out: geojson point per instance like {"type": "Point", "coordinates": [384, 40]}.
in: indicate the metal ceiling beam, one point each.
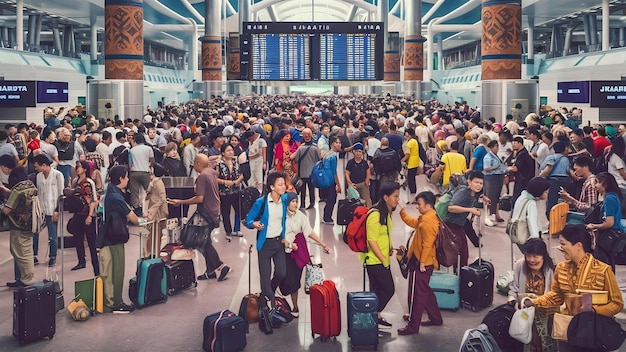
{"type": "Point", "coordinates": [272, 13]}
{"type": "Point", "coordinates": [352, 14]}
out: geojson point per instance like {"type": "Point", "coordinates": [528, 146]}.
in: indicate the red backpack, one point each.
{"type": "Point", "coordinates": [356, 232]}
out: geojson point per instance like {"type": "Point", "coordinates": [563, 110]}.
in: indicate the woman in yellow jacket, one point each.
{"type": "Point", "coordinates": [422, 256]}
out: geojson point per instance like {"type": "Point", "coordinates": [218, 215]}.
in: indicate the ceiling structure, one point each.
{"type": "Point", "coordinates": [79, 13]}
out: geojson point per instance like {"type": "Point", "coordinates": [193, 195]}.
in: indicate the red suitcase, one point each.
{"type": "Point", "coordinates": [325, 310]}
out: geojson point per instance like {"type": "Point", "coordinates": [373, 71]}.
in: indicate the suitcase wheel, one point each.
{"type": "Point", "coordinates": [50, 337]}
{"type": "Point", "coordinates": [195, 284]}
{"type": "Point", "coordinates": [170, 291]}
{"type": "Point", "coordinates": [164, 299]}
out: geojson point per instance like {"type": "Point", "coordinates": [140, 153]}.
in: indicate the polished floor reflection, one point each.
{"type": "Point", "coordinates": [177, 324]}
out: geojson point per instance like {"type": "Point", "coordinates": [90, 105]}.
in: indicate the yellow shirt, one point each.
{"type": "Point", "coordinates": [455, 164]}
{"type": "Point", "coordinates": [414, 154]}
{"type": "Point", "coordinates": [380, 234]}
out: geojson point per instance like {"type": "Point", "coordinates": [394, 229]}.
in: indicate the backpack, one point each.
{"type": "Point", "coordinates": [247, 197]}
{"type": "Point", "coordinates": [479, 340]}
{"type": "Point", "coordinates": [447, 246]}
{"type": "Point", "coordinates": [356, 232]}
{"type": "Point", "coordinates": [441, 207]}
{"type": "Point", "coordinates": [322, 176]}
{"type": "Point", "coordinates": [21, 215]}
{"type": "Point", "coordinates": [518, 229]}
{"type": "Point", "coordinates": [387, 162]}
{"type": "Point", "coordinates": [498, 321]}
{"type": "Point", "coordinates": [594, 332]}
{"type": "Point", "coordinates": [571, 123]}
{"type": "Point", "coordinates": [601, 164]}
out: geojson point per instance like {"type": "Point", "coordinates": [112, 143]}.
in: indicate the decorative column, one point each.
{"type": "Point", "coordinates": [123, 39]}
{"type": "Point", "coordinates": [413, 56]}
{"type": "Point", "coordinates": [501, 39]}
{"type": "Point", "coordinates": [211, 50]}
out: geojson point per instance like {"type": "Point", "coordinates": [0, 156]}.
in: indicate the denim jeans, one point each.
{"type": "Point", "coordinates": [66, 170]}
{"type": "Point", "coordinates": [53, 238]}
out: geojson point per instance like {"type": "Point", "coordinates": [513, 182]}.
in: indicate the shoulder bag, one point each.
{"type": "Point", "coordinates": [404, 262]}
{"type": "Point", "coordinates": [196, 236]}
{"type": "Point", "coordinates": [518, 229]}
{"type": "Point", "coordinates": [521, 327]}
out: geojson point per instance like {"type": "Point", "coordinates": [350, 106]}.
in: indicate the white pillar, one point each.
{"type": "Point", "coordinates": [19, 24]}
{"type": "Point", "coordinates": [383, 16]}
{"type": "Point", "coordinates": [531, 38]}
{"type": "Point", "coordinates": [605, 25]}
{"type": "Point", "coordinates": [93, 31]}
{"type": "Point", "coordinates": [244, 13]}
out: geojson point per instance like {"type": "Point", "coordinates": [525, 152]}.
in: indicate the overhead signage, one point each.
{"type": "Point", "coordinates": [608, 94]}
{"type": "Point", "coordinates": [17, 94]}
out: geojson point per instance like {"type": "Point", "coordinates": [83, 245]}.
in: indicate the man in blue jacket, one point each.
{"type": "Point", "coordinates": [268, 216]}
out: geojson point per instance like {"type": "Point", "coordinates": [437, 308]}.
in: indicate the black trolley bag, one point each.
{"type": "Point", "coordinates": [181, 274]}
{"type": "Point", "coordinates": [34, 313]}
{"type": "Point", "coordinates": [477, 279]}
{"type": "Point", "coordinates": [224, 332]}
{"type": "Point", "coordinates": [363, 316]}
{"type": "Point", "coordinates": [345, 210]}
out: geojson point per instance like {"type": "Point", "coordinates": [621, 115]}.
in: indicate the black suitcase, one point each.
{"type": "Point", "coordinates": [345, 210]}
{"type": "Point", "coordinates": [34, 314]}
{"type": "Point", "coordinates": [363, 317]}
{"type": "Point", "coordinates": [224, 332]}
{"type": "Point", "coordinates": [477, 282]}
{"type": "Point", "coordinates": [181, 275]}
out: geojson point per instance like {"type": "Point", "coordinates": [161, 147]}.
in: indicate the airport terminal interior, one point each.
{"type": "Point", "coordinates": [120, 58]}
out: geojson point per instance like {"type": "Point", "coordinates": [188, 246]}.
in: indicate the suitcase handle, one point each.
{"type": "Point", "coordinates": [444, 290]}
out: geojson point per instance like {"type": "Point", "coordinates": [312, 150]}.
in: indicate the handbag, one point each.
{"type": "Point", "coordinates": [594, 214]}
{"type": "Point", "coordinates": [521, 327]}
{"type": "Point", "coordinates": [611, 241]}
{"type": "Point", "coordinates": [518, 229]}
{"type": "Point", "coordinates": [404, 262]}
{"type": "Point", "coordinates": [196, 236]}
{"type": "Point", "coordinates": [560, 323]}
{"type": "Point", "coordinates": [313, 275]}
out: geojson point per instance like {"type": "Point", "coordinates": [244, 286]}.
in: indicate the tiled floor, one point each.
{"type": "Point", "coordinates": [177, 324]}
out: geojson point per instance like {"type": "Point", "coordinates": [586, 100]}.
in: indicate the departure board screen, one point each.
{"type": "Point", "coordinates": [295, 51]}
{"type": "Point", "coordinates": [281, 57]}
{"type": "Point", "coordinates": [348, 57]}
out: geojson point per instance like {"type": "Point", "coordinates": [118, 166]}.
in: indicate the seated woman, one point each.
{"type": "Point", "coordinates": [533, 275]}
{"type": "Point", "coordinates": [611, 214]}
{"type": "Point", "coordinates": [580, 270]}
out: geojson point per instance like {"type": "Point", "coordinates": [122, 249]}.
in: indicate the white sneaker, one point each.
{"type": "Point", "coordinates": [489, 222]}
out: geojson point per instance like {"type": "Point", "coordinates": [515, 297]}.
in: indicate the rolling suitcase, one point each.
{"type": "Point", "coordinates": [149, 286]}
{"type": "Point", "coordinates": [224, 332]}
{"type": "Point", "coordinates": [181, 275]}
{"type": "Point", "coordinates": [363, 317]}
{"type": "Point", "coordinates": [345, 210]}
{"type": "Point", "coordinates": [477, 281]}
{"type": "Point", "coordinates": [249, 307]}
{"type": "Point", "coordinates": [446, 288]}
{"type": "Point", "coordinates": [34, 314]}
{"type": "Point", "coordinates": [325, 310]}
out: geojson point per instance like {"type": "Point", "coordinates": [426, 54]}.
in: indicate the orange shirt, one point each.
{"type": "Point", "coordinates": [426, 230]}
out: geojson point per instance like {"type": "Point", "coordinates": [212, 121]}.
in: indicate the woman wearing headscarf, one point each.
{"type": "Point", "coordinates": [282, 162]}
{"type": "Point", "coordinates": [298, 229]}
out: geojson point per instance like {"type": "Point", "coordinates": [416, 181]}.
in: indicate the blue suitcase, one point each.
{"type": "Point", "coordinates": [224, 332]}
{"type": "Point", "coordinates": [363, 317]}
{"type": "Point", "coordinates": [446, 288]}
{"type": "Point", "coordinates": [149, 286]}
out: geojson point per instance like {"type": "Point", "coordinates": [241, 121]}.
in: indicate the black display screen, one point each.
{"type": "Point", "coordinates": [573, 92]}
{"type": "Point", "coordinates": [289, 51]}
{"type": "Point", "coordinates": [608, 94]}
{"type": "Point", "coordinates": [17, 94]}
{"type": "Point", "coordinates": [52, 92]}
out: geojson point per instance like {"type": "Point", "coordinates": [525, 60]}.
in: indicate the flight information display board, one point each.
{"type": "Point", "coordinates": [292, 51]}
{"type": "Point", "coordinates": [281, 57]}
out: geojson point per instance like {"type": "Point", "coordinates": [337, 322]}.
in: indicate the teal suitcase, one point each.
{"type": "Point", "coordinates": [446, 287]}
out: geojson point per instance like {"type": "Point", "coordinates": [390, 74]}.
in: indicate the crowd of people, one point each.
{"type": "Point", "coordinates": [375, 144]}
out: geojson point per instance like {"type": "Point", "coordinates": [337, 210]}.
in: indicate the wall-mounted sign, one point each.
{"type": "Point", "coordinates": [17, 94]}
{"type": "Point", "coordinates": [52, 92]}
{"type": "Point", "coordinates": [573, 92]}
{"type": "Point", "coordinates": [608, 94]}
